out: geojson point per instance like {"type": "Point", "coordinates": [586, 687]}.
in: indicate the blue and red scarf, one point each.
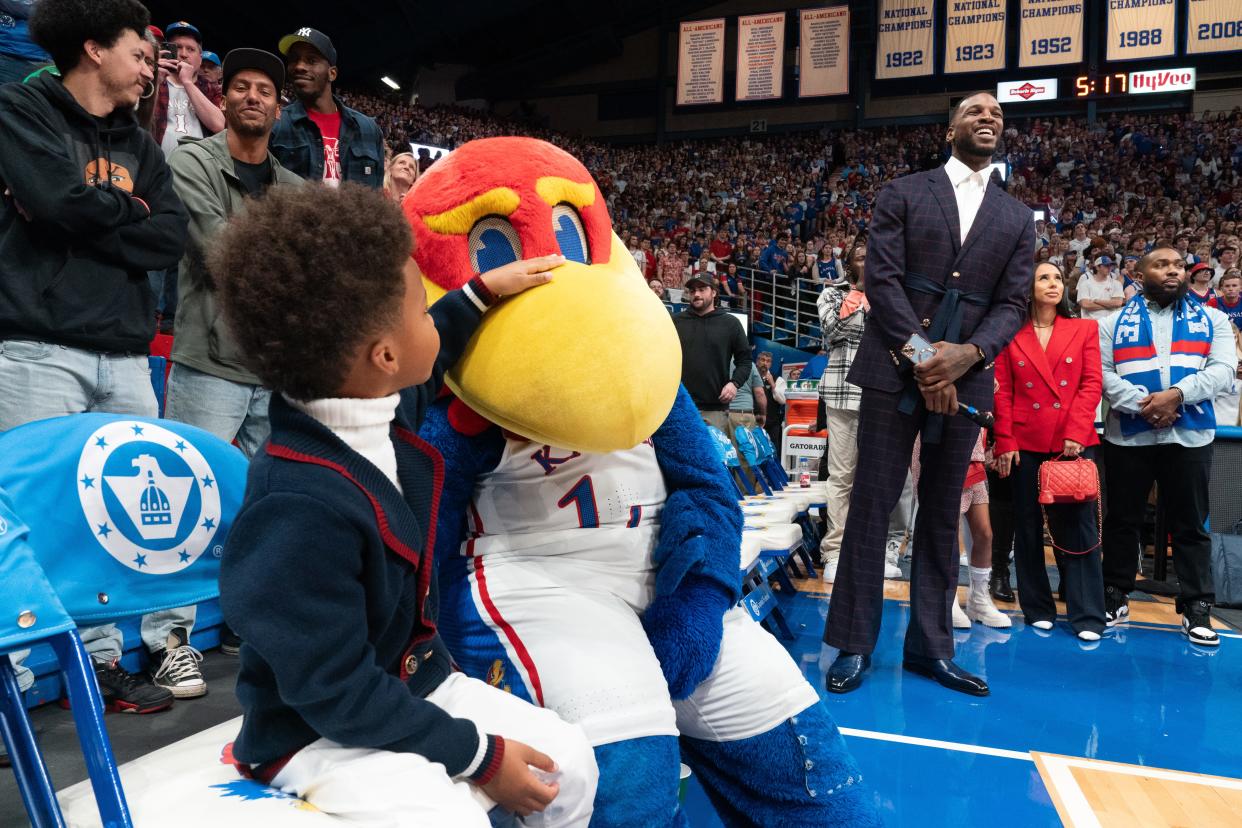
{"type": "Point", "coordinates": [1134, 354]}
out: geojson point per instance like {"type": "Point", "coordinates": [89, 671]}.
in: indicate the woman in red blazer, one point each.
{"type": "Point", "coordinates": [1049, 382]}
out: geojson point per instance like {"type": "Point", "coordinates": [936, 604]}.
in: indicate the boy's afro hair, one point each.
{"type": "Point", "coordinates": [305, 274]}
{"type": "Point", "coordinates": [61, 27]}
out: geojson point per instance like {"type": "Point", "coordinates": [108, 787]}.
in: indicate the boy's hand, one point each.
{"type": "Point", "coordinates": [516, 277]}
{"type": "Point", "coordinates": [514, 787]}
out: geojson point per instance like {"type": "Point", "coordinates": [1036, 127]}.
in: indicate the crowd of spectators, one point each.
{"type": "Point", "coordinates": [766, 213]}
{"type": "Point", "coordinates": [752, 215]}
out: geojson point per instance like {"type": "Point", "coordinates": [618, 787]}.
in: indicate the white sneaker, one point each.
{"type": "Point", "coordinates": [960, 621]}
{"type": "Point", "coordinates": [891, 552]}
{"type": "Point", "coordinates": [1042, 625]}
{"type": "Point", "coordinates": [979, 607]}
{"type": "Point", "coordinates": [830, 573]}
{"type": "Point", "coordinates": [1088, 635]}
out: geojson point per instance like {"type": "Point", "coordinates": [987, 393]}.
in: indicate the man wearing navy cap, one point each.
{"type": "Point", "coordinates": [1101, 293]}
{"type": "Point", "coordinates": [318, 136]}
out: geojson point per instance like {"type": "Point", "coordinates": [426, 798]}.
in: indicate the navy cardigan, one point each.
{"type": "Point", "coordinates": [328, 577]}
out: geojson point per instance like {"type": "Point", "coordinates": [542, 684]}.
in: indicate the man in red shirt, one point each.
{"type": "Point", "coordinates": [318, 136]}
{"type": "Point", "coordinates": [720, 248]}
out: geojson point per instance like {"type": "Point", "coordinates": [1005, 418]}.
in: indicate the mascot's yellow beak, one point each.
{"type": "Point", "coordinates": [588, 362]}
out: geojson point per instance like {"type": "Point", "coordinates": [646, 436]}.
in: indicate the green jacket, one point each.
{"type": "Point", "coordinates": [204, 179]}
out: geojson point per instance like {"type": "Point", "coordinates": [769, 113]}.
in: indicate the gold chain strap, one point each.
{"type": "Point", "coordinates": [1099, 523]}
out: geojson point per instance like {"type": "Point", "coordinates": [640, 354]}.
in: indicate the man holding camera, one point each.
{"type": "Point", "coordinates": [188, 104]}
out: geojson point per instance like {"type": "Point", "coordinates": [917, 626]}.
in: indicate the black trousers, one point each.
{"type": "Point", "coordinates": [1000, 513]}
{"type": "Point", "coordinates": [1072, 526]}
{"type": "Point", "coordinates": [885, 444]}
{"type": "Point", "coordinates": [1183, 475]}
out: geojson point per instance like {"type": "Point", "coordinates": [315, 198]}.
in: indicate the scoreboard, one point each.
{"type": "Point", "coordinates": [1098, 85]}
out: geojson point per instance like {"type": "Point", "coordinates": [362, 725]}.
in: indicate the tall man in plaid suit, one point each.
{"type": "Point", "coordinates": [950, 260]}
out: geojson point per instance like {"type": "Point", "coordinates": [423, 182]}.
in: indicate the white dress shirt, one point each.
{"type": "Point", "coordinates": [968, 188]}
{"type": "Point", "coordinates": [1214, 378]}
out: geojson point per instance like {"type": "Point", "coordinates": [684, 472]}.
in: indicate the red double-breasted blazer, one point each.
{"type": "Point", "coordinates": [1045, 397]}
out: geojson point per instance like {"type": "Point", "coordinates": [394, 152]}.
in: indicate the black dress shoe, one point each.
{"type": "Point", "coordinates": [946, 673]}
{"type": "Point", "coordinates": [846, 673]}
{"type": "Point", "coordinates": [1000, 588]}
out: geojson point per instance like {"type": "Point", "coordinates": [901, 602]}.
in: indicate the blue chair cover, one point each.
{"type": "Point", "coordinates": [30, 610]}
{"type": "Point", "coordinates": [127, 515]}
{"type": "Point", "coordinates": [726, 452]}
{"type": "Point", "coordinates": [746, 445]}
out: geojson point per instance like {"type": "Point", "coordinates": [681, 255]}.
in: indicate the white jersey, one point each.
{"type": "Point", "coordinates": [559, 572]}
{"type": "Point", "coordinates": [545, 501]}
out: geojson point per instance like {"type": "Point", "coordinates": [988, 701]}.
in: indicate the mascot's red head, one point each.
{"type": "Point", "coordinates": [590, 361]}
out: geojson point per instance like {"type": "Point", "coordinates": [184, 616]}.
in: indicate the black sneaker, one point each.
{"type": "Point", "coordinates": [124, 692]}
{"type": "Point", "coordinates": [1197, 624]}
{"type": "Point", "coordinates": [230, 642]}
{"type": "Point", "coordinates": [176, 667]}
{"type": "Point", "coordinates": [1116, 606]}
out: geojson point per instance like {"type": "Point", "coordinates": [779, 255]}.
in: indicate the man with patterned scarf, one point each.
{"type": "Point", "coordinates": [1165, 358]}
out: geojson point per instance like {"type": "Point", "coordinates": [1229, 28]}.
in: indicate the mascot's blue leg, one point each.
{"type": "Point", "coordinates": [797, 773]}
{"type": "Point", "coordinates": [638, 781]}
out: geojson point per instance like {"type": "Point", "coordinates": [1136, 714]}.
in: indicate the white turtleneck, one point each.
{"type": "Point", "coordinates": [363, 425]}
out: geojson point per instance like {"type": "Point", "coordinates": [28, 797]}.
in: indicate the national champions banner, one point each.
{"type": "Point", "coordinates": [1050, 32]}
{"type": "Point", "coordinates": [974, 36]}
{"type": "Point", "coordinates": [1140, 29]}
{"type": "Point", "coordinates": [1213, 26]}
{"type": "Point", "coordinates": [907, 30]}
{"type": "Point", "coordinates": [700, 62]}
{"type": "Point", "coordinates": [760, 56]}
{"type": "Point", "coordinates": [127, 515]}
{"type": "Point", "coordinates": [824, 51]}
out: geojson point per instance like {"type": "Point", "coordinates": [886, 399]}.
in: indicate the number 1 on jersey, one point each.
{"type": "Point", "coordinates": [582, 495]}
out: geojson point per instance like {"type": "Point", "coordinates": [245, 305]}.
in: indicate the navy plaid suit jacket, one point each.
{"type": "Point", "coordinates": [915, 230]}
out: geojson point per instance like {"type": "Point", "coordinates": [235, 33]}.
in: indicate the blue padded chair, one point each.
{"type": "Point", "coordinates": [758, 598]}
{"type": "Point", "coordinates": [126, 516]}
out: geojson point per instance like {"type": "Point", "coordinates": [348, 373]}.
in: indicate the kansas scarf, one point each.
{"type": "Point", "coordinates": [1134, 354]}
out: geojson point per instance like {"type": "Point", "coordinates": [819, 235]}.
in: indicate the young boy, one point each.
{"type": "Point", "coordinates": [351, 700]}
{"type": "Point", "coordinates": [1228, 298]}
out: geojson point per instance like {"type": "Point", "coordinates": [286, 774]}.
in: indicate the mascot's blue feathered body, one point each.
{"type": "Point", "coordinates": [587, 542]}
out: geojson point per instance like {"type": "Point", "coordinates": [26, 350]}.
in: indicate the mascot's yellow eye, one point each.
{"type": "Point", "coordinates": [493, 243]}
{"type": "Point", "coordinates": [570, 237]}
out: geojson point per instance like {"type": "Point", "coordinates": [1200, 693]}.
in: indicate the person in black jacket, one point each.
{"type": "Point", "coordinates": [88, 208]}
{"type": "Point", "coordinates": [710, 339]}
{"type": "Point", "coordinates": [351, 700]}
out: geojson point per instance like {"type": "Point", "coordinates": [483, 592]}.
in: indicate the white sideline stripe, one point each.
{"type": "Point", "coordinates": [936, 743]}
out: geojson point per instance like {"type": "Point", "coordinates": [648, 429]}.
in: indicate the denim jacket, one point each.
{"type": "Point", "coordinates": [298, 145]}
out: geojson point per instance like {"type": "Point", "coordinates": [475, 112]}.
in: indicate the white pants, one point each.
{"type": "Point", "coordinates": [383, 789]}
{"type": "Point", "coordinates": [572, 628]}
{"type": "Point", "coordinates": [842, 460]}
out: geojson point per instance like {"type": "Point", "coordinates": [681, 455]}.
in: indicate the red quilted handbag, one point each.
{"type": "Point", "coordinates": [1070, 481]}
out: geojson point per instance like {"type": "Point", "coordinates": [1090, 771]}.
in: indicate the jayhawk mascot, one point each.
{"type": "Point", "coordinates": [588, 542]}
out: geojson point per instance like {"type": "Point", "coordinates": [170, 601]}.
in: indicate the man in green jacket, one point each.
{"type": "Point", "coordinates": [209, 386]}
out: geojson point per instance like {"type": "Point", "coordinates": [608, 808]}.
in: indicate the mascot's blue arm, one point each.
{"type": "Point", "coordinates": [465, 458]}
{"type": "Point", "coordinates": [698, 575]}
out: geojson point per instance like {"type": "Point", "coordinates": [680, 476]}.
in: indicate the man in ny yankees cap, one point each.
{"type": "Point", "coordinates": [318, 136]}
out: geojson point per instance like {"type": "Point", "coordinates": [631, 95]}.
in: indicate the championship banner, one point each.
{"type": "Point", "coordinates": [760, 56]}
{"type": "Point", "coordinates": [1213, 26]}
{"type": "Point", "coordinates": [1050, 32]}
{"type": "Point", "coordinates": [974, 35]}
{"type": "Point", "coordinates": [907, 30]}
{"type": "Point", "coordinates": [700, 62]}
{"type": "Point", "coordinates": [1141, 29]}
{"type": "Point", "coordinates": [824, 52]}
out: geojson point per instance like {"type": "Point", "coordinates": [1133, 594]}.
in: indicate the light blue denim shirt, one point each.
{"type": "Point", "coordinates": [1215, 378]}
